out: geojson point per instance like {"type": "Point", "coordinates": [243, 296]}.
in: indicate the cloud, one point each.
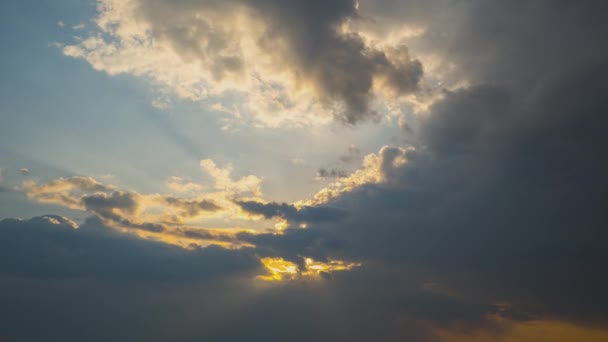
{"type": "Point", "coordinates": [154, 213]}
{"type": "Point", "coordinates": [54, 247]}
{"type": "Point", "coordinates": [118, 207]}
{"type": "Point", "coordinates": [495, 202]}
{"type": "Point", "coordinates": [192, 207]}
{"type": "Point", "coordinates": [24, 171]}
{"type": "Point", "coordinates": [181, 185]}
{"type": "Point", "coordinates": [223, 179]}
{"type": "Point", "coordinates": [375, 169]}
{"type": "Point", "coordinates": [333, 173]}
{"type": "Point", "coordinates": [500, 201]}
{"type": "Point", "coordinates": [285, 58]}
{"type": "Point", "coordinates": [353, 154]}
{"type": "Point", "coordinates": [293, 213]}
{"type": "Point", "coordinates": [49, 262]}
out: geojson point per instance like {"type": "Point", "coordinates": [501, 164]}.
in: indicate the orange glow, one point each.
{"type": "Point", "coordinates": [532, 331]}
{"type": "Point", "coordinates": [280, 269]}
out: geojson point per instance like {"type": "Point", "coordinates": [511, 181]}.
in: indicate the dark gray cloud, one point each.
{"type": "Point", "coordinates": [352, 156]}
{"type": "Point", "coordinates": [341, 65]}
{"type": "Point", "coordinates": [503, 200]}
{"type": "Point", "coordinates": [50, 247]}
{"type": "Point", "coordinates": [520, 44]}
{"type": "Point", "coordinates": [116, 207]}
{"type": "Point", "coordinates": [97, 284]}
{"type": "Point", "coordinates": [291, 213]}
{"type": "Point", "coordinates": [514, 200]}
{"type": "Point", "coordinates": [105, 203]}
{"type": "Point", "coordinates": [331, 173]}
{"type": "Point", "coordinates": [191, 208]}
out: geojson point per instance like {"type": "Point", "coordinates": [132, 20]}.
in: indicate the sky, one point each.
{"type": "Point", "coordinates": [273, 170]}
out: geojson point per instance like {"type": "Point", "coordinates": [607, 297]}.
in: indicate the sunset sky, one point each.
{"type": "Point", "coordinates": [303, 170]}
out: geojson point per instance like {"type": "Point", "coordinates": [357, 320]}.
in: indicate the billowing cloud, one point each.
{"type": "Point", "coordinates": [191, 204]}
{"type": "Point", "coordinates": [375, 169]}
{"type": "Point", "coordinates": [285, 57]}
{"type": "Point", "coordinates": [503, 190]}
{"type": "Point", "coordinates": [224, 182]}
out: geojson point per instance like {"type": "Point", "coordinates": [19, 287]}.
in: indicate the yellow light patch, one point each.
{"type": "Point", "coordinates": [280, 269]}
{"type": "Point", "coordinates": [281, 225]}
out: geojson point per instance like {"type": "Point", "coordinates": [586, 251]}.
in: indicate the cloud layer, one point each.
{"type": "Point", "coordinates": [490, 224]}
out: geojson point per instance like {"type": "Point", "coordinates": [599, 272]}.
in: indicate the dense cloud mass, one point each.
{"type": "Point", "coordinates": [291, 213]}
{"type": "Point", "coordinates": [301, 50]}
{"type": "Point", "coordinates": [491, 227]}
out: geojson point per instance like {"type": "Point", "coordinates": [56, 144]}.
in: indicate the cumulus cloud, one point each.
{"type": "Point", "coordinates": [223, 179]}
{"type": "Point", "coordinates": [192, 203]}
{"type": "Point", "coordinates": [374, 170]}
{"type": "Point", "coordinates": [286, 57]}
{"type": "Point", "coordinates": [495, 201]}
{"type": "Point", "coordinates": [501, 200]}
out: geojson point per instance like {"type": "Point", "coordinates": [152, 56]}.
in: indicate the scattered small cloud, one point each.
{"type": "Point", "coordinates": [324, 173]}
{"type": "Point", "coordinates": [223, 179]}
{"type": "Point", "coordinates": [352, 155]}
{"type": "Point", "coordinates": [183, 185]}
